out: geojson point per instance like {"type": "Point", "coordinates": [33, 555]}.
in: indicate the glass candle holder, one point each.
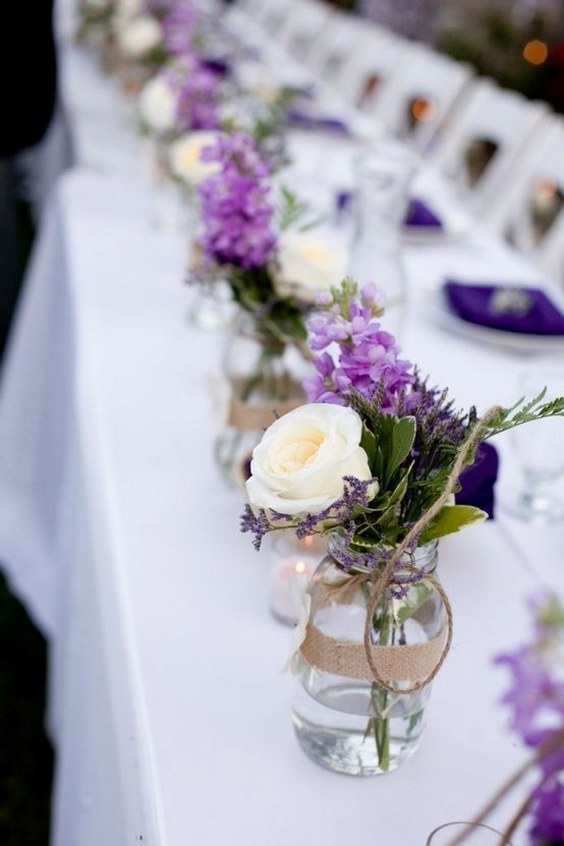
{"type": "Point", "coordinates": [474, 834]}
{"type": "Point", "coordinates": [293, 562]}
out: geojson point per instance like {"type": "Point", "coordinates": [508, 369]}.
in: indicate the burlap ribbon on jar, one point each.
{"type": "Point", "coordinates": [400, 669]}
{"type": "Point", "coordinates": [417, 663]}
{"type": "Point", "coordinates": [245, 415]}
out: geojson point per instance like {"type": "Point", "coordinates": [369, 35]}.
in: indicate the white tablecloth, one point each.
{"type": "Point", "coordinates": [167, 705]}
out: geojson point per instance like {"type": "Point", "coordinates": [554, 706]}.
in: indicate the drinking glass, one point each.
{"type": "Point", "coordinates": [539, 450]}
{"type": "Point", "coordinates": [384, 176]}
{"type": "Point", "coordinates": [473, 834]}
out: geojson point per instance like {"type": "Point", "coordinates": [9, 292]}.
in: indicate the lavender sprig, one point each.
{"type": "Point", "coordinates": [341, 513]}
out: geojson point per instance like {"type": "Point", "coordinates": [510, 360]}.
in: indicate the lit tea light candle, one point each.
{"type": "Point", "coordinates": [287, 580]}
{"type": "Point", "coordinates": [294, 562]}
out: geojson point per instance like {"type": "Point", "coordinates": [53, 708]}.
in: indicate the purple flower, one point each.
{"type": "Point", "coordinates": [197, 100]}
{"type": "Point", "coordinates": [236, 213]}
{"type": "Point", "coordinates": [536, 700]}
{"type": "Point", "coordinates": [197, 91]}
{"type": "Point", "coordinates": [547, 813]}
{"type": "Point", "coordinates": [529, 694]}
{"type": "Point", "coordinates": [536, 692]}
{"type": "Point", "coordinates": [178, 26]}
{"type": "Point", "coordinates": [368, 358]}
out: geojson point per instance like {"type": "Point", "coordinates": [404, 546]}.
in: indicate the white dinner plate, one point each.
{"type": "Point", "coordinates": [454, 227]}
{"type": "Point", "coordinates": [438, 310]}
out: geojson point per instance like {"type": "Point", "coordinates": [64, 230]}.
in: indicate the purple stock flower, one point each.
{"type": "Point", "coordinates": [536, 699]}
{"type": "Point", "coordinates": [197, 100]}
{"type": "Point", "coordinates": [368, 357]}
{"type": "Point", "coordinates": [196, 90]}
{"type": "Point", "coordinates": [178, 26]}
{"type": "Point", "coordinates": [236, 213]}
{"type": "Point", "coordinates": [529, 693]}
{"type": "Point", "coordinates": [197, 93]}
{"type": "Point", "coordinates": [547, 813]}
{"type": "Point", "coordinates": [536, 692]}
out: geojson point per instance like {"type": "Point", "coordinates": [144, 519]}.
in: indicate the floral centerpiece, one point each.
{"type": "Point", "coordinates": [535, 698]}
{"type": "Point", "coordinates": [179, 112]}
{"type": "Point", "coordinates": [374, 461]}
{"type": "Point", "coordinates": [149, 35]}
{"type": "Point", "coordinates": [243, 232]}
{"type": "Point", "coordinates": [181, 97]}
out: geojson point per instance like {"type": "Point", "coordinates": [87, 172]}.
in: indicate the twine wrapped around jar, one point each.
{"type": "Point", "coordinates": [390, 666]}
{"type": "Point", "coordinates": [396, 664]}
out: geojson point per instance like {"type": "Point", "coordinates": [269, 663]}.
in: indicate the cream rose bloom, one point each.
{"type": "Point", "coordinates": [309, 263]}
{"type": "Point", "coordinates": [185, 157]}
{"type": "Point", "coordinates": [157, 105]}
{"type": "Point", "coordinates": [139, 36]}
{"type": "Point", "coordinates": [299, 465]}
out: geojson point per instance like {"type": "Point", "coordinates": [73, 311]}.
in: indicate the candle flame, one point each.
{"type": "Point", "coordinates": [300, 567]}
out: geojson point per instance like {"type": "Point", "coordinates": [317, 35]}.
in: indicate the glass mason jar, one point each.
{"type": "Point", "coordinates": [343, 718]}
{"type": "Point", "coordinates": [383, 178]}
{"type": "Point", "coordinates": [263, 378]}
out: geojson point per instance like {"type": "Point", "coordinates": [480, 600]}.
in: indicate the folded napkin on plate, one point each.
{"type": "Point", "coordinates": [479, 479]}
{"type": "Point", "coordinates": [303, 120]}
{"type": "Point", "coordinates": [419, 214]}
{"type": "Point", "coordinates": [512, 309]}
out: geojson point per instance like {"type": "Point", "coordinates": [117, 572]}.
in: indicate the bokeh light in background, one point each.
{"type": "Point", "coordinates": [535, 52]}
{"type": "Point", "coordinates": [423, 108]}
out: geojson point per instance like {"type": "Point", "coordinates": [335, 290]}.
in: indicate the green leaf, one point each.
{"type": "Point", "coordinates": [451, 519]}
{"type": "Point", "coordinates": [403, 609]}
{"type": "Point", "coordinates": [403, 435]}
{"type": "Point", "coordinates": [368, 443]}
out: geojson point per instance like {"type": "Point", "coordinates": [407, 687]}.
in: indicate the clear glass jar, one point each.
{"type": "Point", "coordinates": [382, 196]}
{"type": "Point", "coordinates": [263, 379]}
{"type": "Point", "coordinates": [349, 723]}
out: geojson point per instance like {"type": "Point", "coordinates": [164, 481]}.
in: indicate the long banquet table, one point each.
{"type": "Point", "coordinates": [167, 705]}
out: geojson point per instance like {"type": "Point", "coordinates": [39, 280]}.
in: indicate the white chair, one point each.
{"type": "Point", "coordinates": [304, 22]}
{"type": "Point", "coordinates": [373, 59]}
{"type": "Point", "coordinates": [489, 120]}
{"type": "Point", "coordinates": [527, 206]}
{"type": "Point", "coordinates": [414, 102]}
{"type": "Point", "coordinates": [270, 15]}
{"type": "Point", "coordinates": [340, 38]}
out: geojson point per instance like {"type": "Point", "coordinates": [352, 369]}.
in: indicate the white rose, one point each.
{"type": "Point", "coordinates": [308, 264]}
{"type": "Point", "coordinates": [299, 465]}
{"type": "Point", "coordinates": [139, 36]}
{"type": "Point", "coordinates": [185, 157]}
{"type": "Point", "coordinates": [157, 105]}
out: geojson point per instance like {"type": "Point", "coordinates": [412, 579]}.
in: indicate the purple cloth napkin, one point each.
{"type": "Point", "coordinates": [490, 305]}
{"type": "Point", "coordinates": [301, 119]}
{"type": "Point", "coordinates": [221, 67]}
{"type": "Point", "coordinates": [478, 480]}
{"type": "Point", "coordinates": [419, 214]}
